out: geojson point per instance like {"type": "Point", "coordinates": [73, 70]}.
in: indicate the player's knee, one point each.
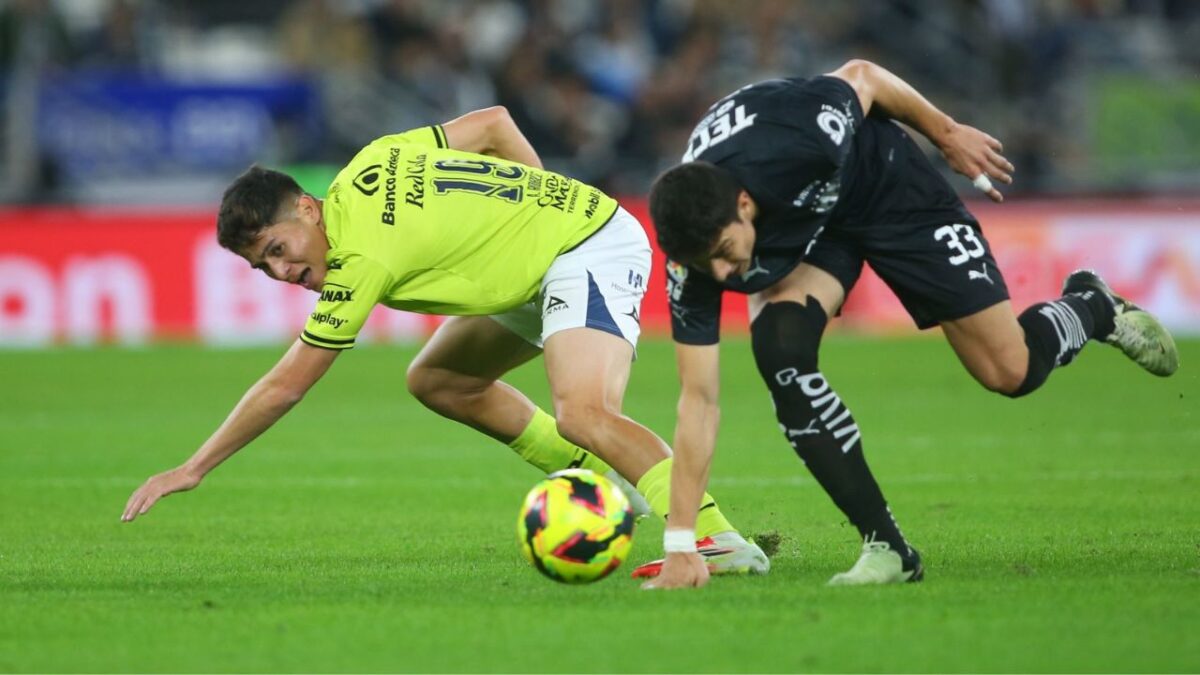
{"type": "Point", "coordinates": [581, 421]}
{"type": "Point", "coordinates": [787, 335]}
{"type": "Point", "coordinates": [422, 383]}
{"type": "Point", "coordinates": [1004, 376]}
{"type": "Point", "coordinates": [438, 389]}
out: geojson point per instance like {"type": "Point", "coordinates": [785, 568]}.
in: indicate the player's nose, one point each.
{"type": "Point", "coordinates": [280, 270]}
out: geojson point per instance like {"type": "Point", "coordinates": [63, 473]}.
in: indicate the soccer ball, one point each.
{"type": "Point", "coordinates": [575, 526]}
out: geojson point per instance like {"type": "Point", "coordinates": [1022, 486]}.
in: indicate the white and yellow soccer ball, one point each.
{"type": "Point", "coordinates": [575, 526]}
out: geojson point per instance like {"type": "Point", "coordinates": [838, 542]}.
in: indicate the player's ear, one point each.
{"type": "Point", "coordinates": [309, 209]}
{"type": "Point", "coordinates": [745, 206]}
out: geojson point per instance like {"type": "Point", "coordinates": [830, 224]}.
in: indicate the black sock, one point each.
{"type": "Point", "coordinates": [818, 425]}
{"type": "Point", "coordinates": [1056, 331]}
{"type": "Point", "coordinates": [1101, 307]}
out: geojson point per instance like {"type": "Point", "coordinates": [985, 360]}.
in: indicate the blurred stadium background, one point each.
{"type": "Point", "coordinates": [365, 534]}
{"type": "Point", "coordinates": [124, 119]}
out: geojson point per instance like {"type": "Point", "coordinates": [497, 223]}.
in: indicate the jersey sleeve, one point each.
{"type": "Point", "coordinates": [829, 106]}
{"type": "Point", "coordinates": [353, 285]}
{"type": "Point", "coordinates": [433, 136]}
{"type": "Point", "coordinates": [695, 301]}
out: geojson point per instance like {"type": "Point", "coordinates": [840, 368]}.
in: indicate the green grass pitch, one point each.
{"type": "Point", "coordinates": [1061, 532]}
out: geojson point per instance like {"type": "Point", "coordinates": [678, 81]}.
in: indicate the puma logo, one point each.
{"type": "Point", "coordinates": [756, 269]}
{"type": "Point", "coordinates": [973, 275]}
{"type": "Point", "coordinates": [810, 429]}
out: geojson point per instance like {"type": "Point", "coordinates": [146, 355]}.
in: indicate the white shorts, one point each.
{"type": "Point", "coordinates": [598, 284]}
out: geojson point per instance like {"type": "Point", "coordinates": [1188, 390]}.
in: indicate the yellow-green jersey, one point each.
{"type": "Point", "coordinates": [414, 225]}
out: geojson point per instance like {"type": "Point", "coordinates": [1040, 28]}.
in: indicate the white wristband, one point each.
{"type": "Point", "coordinates": [679, 541]}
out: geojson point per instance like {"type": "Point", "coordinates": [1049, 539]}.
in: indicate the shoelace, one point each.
{"type": "Point", "coordinates": [869, 546]}
{"type": "Point", "coordinates": [1129, 337]}
{"type": "Point", "coordinates": [876, 547]}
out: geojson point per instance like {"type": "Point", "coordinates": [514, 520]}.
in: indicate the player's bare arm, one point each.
{"type": "Point", "coordinates": [699, 416]}
{"type": "Point", "coordinates": [263, 404]}
{"type": "Point", "coordinates": [967, 150]}
{"type": "Point", "coordinates": [491, 131]}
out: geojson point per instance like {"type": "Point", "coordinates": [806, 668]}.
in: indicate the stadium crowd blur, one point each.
{"type": "Point", "coordinates": [1088, 95]}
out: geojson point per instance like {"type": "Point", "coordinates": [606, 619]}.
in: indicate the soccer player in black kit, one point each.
{"type": "Point", "coordinates": [787, 188]}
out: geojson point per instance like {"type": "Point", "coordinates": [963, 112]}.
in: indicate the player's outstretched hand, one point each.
{"type": "Point", "coordinates": [157, 487]}
{"type": "Point", "coordinates": [680, 570]}
{"type": "Point", "coordinates": [977, 156]}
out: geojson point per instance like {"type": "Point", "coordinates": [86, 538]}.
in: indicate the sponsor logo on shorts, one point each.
{"type": "Point", "coordinates": [635, 279]}
{"type": "Point", "coordinates": [554, 304]}
{"type": "Point", "coordinates": [973, 275]}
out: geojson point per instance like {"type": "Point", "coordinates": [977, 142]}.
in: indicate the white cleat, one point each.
{"type": "Point", "coordinates": [724, 553]}
{"type": "Point", "coordinates": [879, 564]}
{"type": "Point", "coordinates": [641, 508]}
{"type": "Point", "coordinates": [1135, 331]}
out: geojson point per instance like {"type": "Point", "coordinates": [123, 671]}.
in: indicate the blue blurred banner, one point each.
{"type": "Point", "coordinates": [90, 124]}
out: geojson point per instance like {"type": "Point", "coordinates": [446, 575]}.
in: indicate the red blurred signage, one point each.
{"type": "Point", "coordinates": [101, 276]}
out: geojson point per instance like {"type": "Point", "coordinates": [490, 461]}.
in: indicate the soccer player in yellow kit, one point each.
{"type": "Point", "coordinates": [460, 219]}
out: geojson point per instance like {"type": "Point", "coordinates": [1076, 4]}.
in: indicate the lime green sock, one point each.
{"type": "Point", "coordinates": [540, 445]}
{"type": "Point", "coordinates": [655, 486]}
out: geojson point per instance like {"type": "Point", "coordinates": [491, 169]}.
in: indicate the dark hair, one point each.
{"type": "Point", "coordinates": [690, 204]}
{"type": "Point", "coordinates": [251, 203]}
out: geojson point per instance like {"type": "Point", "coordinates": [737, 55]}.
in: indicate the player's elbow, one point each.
{"type": "Point", "coordinates": [860, 73]}
{"type": "Point", "coordinates": [494, 121]}
{"type": "Point", "coordinates": [480, 131]}
{"type": "Point", "coordinates": [858, 65]}
{"type": "Point", "coordinates": [864, 76]}
{"type": "Point", "coordinates": [496, 114]}
{"type": "Point", "coordinates": [857, 71]}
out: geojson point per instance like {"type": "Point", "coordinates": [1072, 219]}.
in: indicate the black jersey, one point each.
{"type": "Point", "coordinates": [811, 162]}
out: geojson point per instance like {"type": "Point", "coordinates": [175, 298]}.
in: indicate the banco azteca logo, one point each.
{"type": "Point", "coordinates": [367, 180]}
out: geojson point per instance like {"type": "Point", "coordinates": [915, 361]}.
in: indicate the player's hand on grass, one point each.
{"type": "Point", "coordinates": [977, 156]}
{"type": "Point", "coordinates": [680, 570]}
{"type": "Point", "coordinates": [157, 487]}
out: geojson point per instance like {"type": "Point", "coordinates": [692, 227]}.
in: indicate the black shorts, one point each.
{"type": "Point", "coordinates": [939, 272]}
